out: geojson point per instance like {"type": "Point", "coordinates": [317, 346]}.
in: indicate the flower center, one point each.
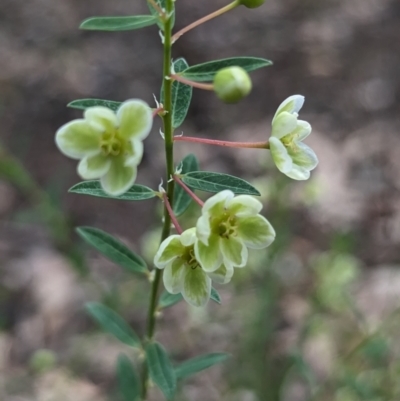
{"type": "Point", "coordinates": [111, 144]}
{"type": "Point", "coordinates": [190, 259]}
{"type": "Point", "coordinates": [224, 226]}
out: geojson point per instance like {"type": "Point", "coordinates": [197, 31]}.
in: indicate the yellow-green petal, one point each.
{"type": "Point", "coordinates": [203, 228]}
{"type": "Point", "coordinates": [93, 167]}
{"type": "Point", "coordinates": [173, 276]}
{"type": "Point", "coordinates": [303, 156]}
{"type": "Point", "coordinates": [217, 203]}
{"type": "Point", "coordinates": [280, 155]}
{"type": "Point", "coordinates": [188, 237]}
{"type": "Point", "coordinates": [209, 256]}
{"type": "Point", "coordinates": [101, 118]}
{"type": "Point", "coordinates": [222, 275]}
{"type": "Point", "coordinates": [196, 287]}
{"type": "Point", "coordinates": [283, 124]}
{"type": "Point", "coordinates": [244, 205]}
{"type": "Point", "coordinates": [135, 119]}
{"type": "Point", "coordinates": [292, 104]}
{"type": "Point", "coordinates": [255, 231]}
{"type": "Point", "coordinates": [169, 249]}
{"type": "Point", "coordinates": [119, 177]}
{"type": "Point", "coordinates": [78, 139]}
{"type": "Point", "coordinates": [234, 252]}
{"type": "Point", "coordinates": [134, 153]}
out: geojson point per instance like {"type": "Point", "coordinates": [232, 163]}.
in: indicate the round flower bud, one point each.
{"type": "Point", "coordinates": [252, 3]}
{"type": "Point", "coordinates": [231, 84]}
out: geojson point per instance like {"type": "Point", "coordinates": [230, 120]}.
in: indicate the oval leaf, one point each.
{"type": "Point", "coordinates": [119, 23]}
{"type": "Point", "coordinates": [113, 323]}
{"type": "Point", "coordinates": [195, 365]}
{"type": "Point", "coordinates": [161, 371]}
{"type": "Point", "coordinates": [181, 198]}
{"type": "Point", "coordinates": [181, 95]}
{"type": "Point", "coordinates": [83, 104]}
{"type": "Point", "coordinates": [162, 4]}
{"type": "Point", "coordinates": [93, 188]}
{"type": "Point", "coordinates": [128, 381]}
{"type": "Point", "coordinates": [113, 249]}
{"type": "Point", "coordinates": [216, 182]}
{"type": "Point", "coordinates": [206, 71]}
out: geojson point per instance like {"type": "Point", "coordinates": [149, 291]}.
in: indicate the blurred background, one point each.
{"type": "Point", "coordinates": [314, 318]}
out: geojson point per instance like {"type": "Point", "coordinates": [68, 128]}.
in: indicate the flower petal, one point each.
{"type": "Point", "coordinates": [135, 119]}
{"type": "Point", "coordinates": [303, 156]}
{"type": "Point", "coordinates": [196, 287]}
{"type": "Point", "coordinates": [92, 167]}
{"type": "Point", "coordinates": [280, 155]}
{"type": "Point", "coordinates": [303, 130]}
{"type": "Point", "coordinates": [283, 124]}
{"type": "Point", "coordinates": [203, 228]}
{"type": "Point", "coordinates": [101, 118]}
{"type": "Point", "coordinates": [298, 173]}
{"type": "Point", "coordinates": [78, 139]}
{"type": "Point", "coordinates": [244, 205]}
{"type": "Point", "coordinates": [234, 252]}
{"type": "Point", "coordinates": [217, 203]}
{"type": "Point", "coordinates": [292, 104]}
{"type": "Point", "coordinates": [188, 237]}
{"type": "Point", "coordinates": [209, 256]}
{"type": "Point", "coordinates": [173, 276]}
{"type": "Point", "coordinates": [135, 153]}
{"type": "Point", "coordinates": [222, 275]}
{"type": "Point", "coordinates": [169, 249]}
{"type": "Point", "coordinates": [255, 231]}
{"type": "Point", "coordinates": [119, 177]}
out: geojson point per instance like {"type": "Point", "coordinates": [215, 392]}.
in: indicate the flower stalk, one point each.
{"type": "Point", "coordinates": [229, 144]}
{"type": "Point", "coordinates": [189, 191]}
{"type": "Point", "coordinates": [198, 85]}
{"type": "Point", "coordinates": [172, 214]}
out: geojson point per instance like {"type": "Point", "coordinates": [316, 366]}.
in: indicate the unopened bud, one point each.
{"type": "Point", "coordinates": [252, 3]}
{"type": "Point", "coordinates": [231, 84]}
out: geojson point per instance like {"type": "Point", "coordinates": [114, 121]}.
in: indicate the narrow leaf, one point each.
{"type": "Point", "coordinates": [93, 188]}
{"type": "Point", "coordinates": [162, 4]}
{"type": "Point", "coordinates": [181, 198]}
{"type": "Point", "coordinates": [215, 296]}
{"type": "Point", "coordinates": [128, 381]}
{"type": "Point", "coordinates": [216, 182]}
{"type": "Point", "coordinates": [195, 365]}
{"type": "Point", "coordinates": [113, 249]}
{"type": "Point", "coordinates": [118, 23]}
{"type": "Point", "coordinates": [167, 299]}
{"type": "Point", "coordinates": [206, 71]}
{"type": "Point", "coordinates": [83, 104]}
{"type": "Point", "coordinates": [161, 370]}
{"type": "Point", "coordinates": [113, 323]}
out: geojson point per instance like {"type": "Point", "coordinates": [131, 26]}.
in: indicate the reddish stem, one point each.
{"type": "Point", "coordinates": [189, 191]}
{"type": "Point", "coordinates": [229, 144]}
{"type": "Point", "coordinates": [207, 87]}
{"type": "Point", "coordinates": [172, 214]}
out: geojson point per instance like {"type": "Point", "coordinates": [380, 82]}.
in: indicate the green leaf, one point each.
{"type": "Point", "coordinates": [128, 381]}
{"type": "Point", "coordinates": [215, 296]}
{"type": "Point", "coordinates": [161, 370]}
{"type": "Point", "coordinates": [167, 299]}
{"type": "Point", "coordinates": [118, 23]}
{"type": "Point", "coordinates": [162, 4]}
{"type": "Point", "coordinates": [181, 95]}
{"type": "Point", "coordinates": [113, 323]}
{"type": "Point", "coordinates": [93, 188]}
{"type": "Point", "coordinates": [206, 71]}
{"type": "Point", "coordinates": [113, 249]}
{"type": "Point", "coordinates": [181, 198]}
{"type": "Point", "coordinates": [83, 104]}
{"type": "Point", "coordinates": [216, 182]}
{"type": "Point", "coordinates": [195, 365]}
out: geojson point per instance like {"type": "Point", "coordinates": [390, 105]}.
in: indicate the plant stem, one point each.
{"type": "Point", "coordinates": [208, 17]}
{"type": "Point", "coordinates": [189, 191]}
{"type": "Point", "coordinates": [207, 87]}
{"type": "Point", "coordinates": [229, 144]}
{"type": "Point", "coordinates": [169, 155]}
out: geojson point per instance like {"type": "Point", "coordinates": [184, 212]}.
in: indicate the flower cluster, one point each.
{"type": "Point", "coordinates": [228, 226]}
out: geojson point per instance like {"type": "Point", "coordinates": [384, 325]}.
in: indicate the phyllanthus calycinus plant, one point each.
{"type": "Point", "coordinates": [109, 141]}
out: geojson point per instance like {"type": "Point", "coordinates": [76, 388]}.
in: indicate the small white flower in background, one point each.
{"type": "Point", "coordinates": [108, 145]}
{"type": "Point", "coordinates": [228, 226]}
{"type": "Point", "coordinates": [183, 273]}
{"type": "Point", "coordinates": [292, 157]}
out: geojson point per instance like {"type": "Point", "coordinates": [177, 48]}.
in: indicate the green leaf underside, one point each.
{"type": "Point", "coordinates": [113, 323]}
{"type": "Point", "coordinates": [206, 71]}
{"type": "Point", "coordinates": [93, 188]}
{"type": "Point", "coordinates": [195, 365]}
{"type": "Point", "coordinates": [216, 182]}
{"type": "Point", "coordinates": [161, 370]}
{"type": "Point", "coordinates": [119, 23]}
{"type": "Point", "coordinates": [83, 104]}
{"type": "Point", "coordinates": [162, 4]}
{"type": "Point", "coordinates": [128, 381]}
{"type": "Point", "coordinates": [181, 198]}
{"type": "Point", "coordinates": [113, 249]}
{"type": "Point", "coordinates": [167, 299]}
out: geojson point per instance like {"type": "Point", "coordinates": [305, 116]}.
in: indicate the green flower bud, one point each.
{"type": "Point", "coordinates": [231, 84]}
{"type": "Point", "coordinates": [252, 3]}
